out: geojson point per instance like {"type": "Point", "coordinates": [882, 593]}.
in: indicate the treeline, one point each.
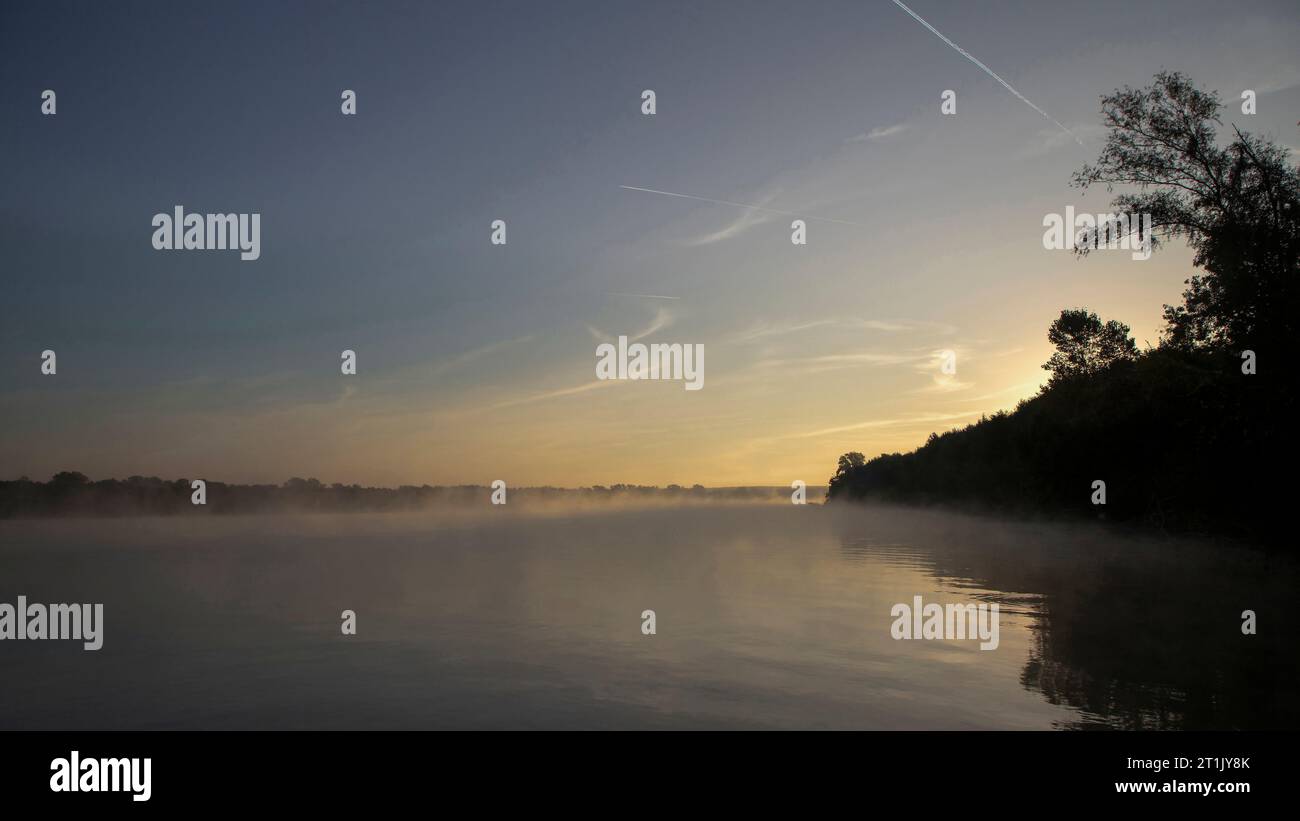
{"type": "Point", "coordinates": [1193, 435]}
{"type": "Point", "coordinates": [73, 494]}
{"type": "Point", "coordinates": [1184, 441]}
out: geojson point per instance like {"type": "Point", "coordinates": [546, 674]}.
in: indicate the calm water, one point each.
{"type": "Point", "coordinates": [766, 617]}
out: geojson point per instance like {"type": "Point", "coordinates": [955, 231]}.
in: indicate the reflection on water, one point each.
{"type": "Point", "coordinates": [1133, 633]}
{"type": "Point", "coordinates": [766, 617]}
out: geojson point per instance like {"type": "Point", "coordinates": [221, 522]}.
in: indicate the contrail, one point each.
{"type": "Point", "coordinates": [643, 296]}
{"type": "Point", "coordinates": [737, 204]}
{"type": "Point", "coordinates": [963, 52]}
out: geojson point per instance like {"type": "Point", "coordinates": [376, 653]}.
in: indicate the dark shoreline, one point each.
{"type": "Point", "coordinates": [73, 495]}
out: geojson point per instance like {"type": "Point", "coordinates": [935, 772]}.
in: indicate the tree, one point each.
{"type": "Point", "coordinates": [1237, 207]}
{"type": "Point", "coordinates": [849, 462]}
{"type": "Point", "coordinates": [1085, 345]}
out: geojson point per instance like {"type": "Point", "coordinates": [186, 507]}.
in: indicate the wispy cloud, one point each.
{"type": "Point", "coordinates": [878, 133]}
{"type": "Point", "coordinates": [477, 353]}
{"type": "Point", "coordinates": [945, 383]}
{"type": "Point", "coordinates": [1022, 388]}
{"type": "Point", "coordinates": [916, 419]}
{"type": "Point", "coordinates": [764, 330]}
{"type": "Point", "coordinates": [643, 296]}
{"type": "Point", "coordinates": [900, 325]}
{"type": "Point", "coordinates": [941, 382]}
{"type": "Point", "coordinates": [556, 394]}
{"type": "Point", "coordinates": [662, 319]}
{"type": "Point", "coordinates": [1285, 78]}
{"type": "Point", "coordinates": [736, 204]}
{"type": "Point", "coordinates": [735, 228]}
{"type": "Point", "coordinates": [832, 362]}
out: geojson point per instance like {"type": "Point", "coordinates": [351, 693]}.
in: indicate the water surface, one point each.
{"type": "Point", "coordinates": [767, 617]}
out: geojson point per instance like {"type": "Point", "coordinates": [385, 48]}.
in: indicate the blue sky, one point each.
{"type": "Point", "coordinates": [476, 361]}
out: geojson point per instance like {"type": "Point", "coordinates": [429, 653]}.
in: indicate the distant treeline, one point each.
{"type": "Point", "coordinates": [1196, 434]}
{"type": "Point", "coordinates": [73, 494]}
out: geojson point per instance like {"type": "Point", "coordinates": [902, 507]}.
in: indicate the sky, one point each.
{"type": "Point", "coordinates": [476, 361]}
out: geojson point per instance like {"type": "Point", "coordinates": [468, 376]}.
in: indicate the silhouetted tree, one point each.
{"type": "Point", "coordinates": [1085, 345]}
{"type": "Point", "coordinates": [850, 461]}
{"type": "Point", "coordinates": [1237, 207]}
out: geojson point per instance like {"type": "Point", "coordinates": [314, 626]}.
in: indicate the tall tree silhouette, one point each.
{"type": "Point", "coordinates": [1238, 207]}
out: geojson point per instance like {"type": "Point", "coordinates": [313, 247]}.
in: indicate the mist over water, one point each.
{"type": "Point", "coordinates": [766, 616]}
